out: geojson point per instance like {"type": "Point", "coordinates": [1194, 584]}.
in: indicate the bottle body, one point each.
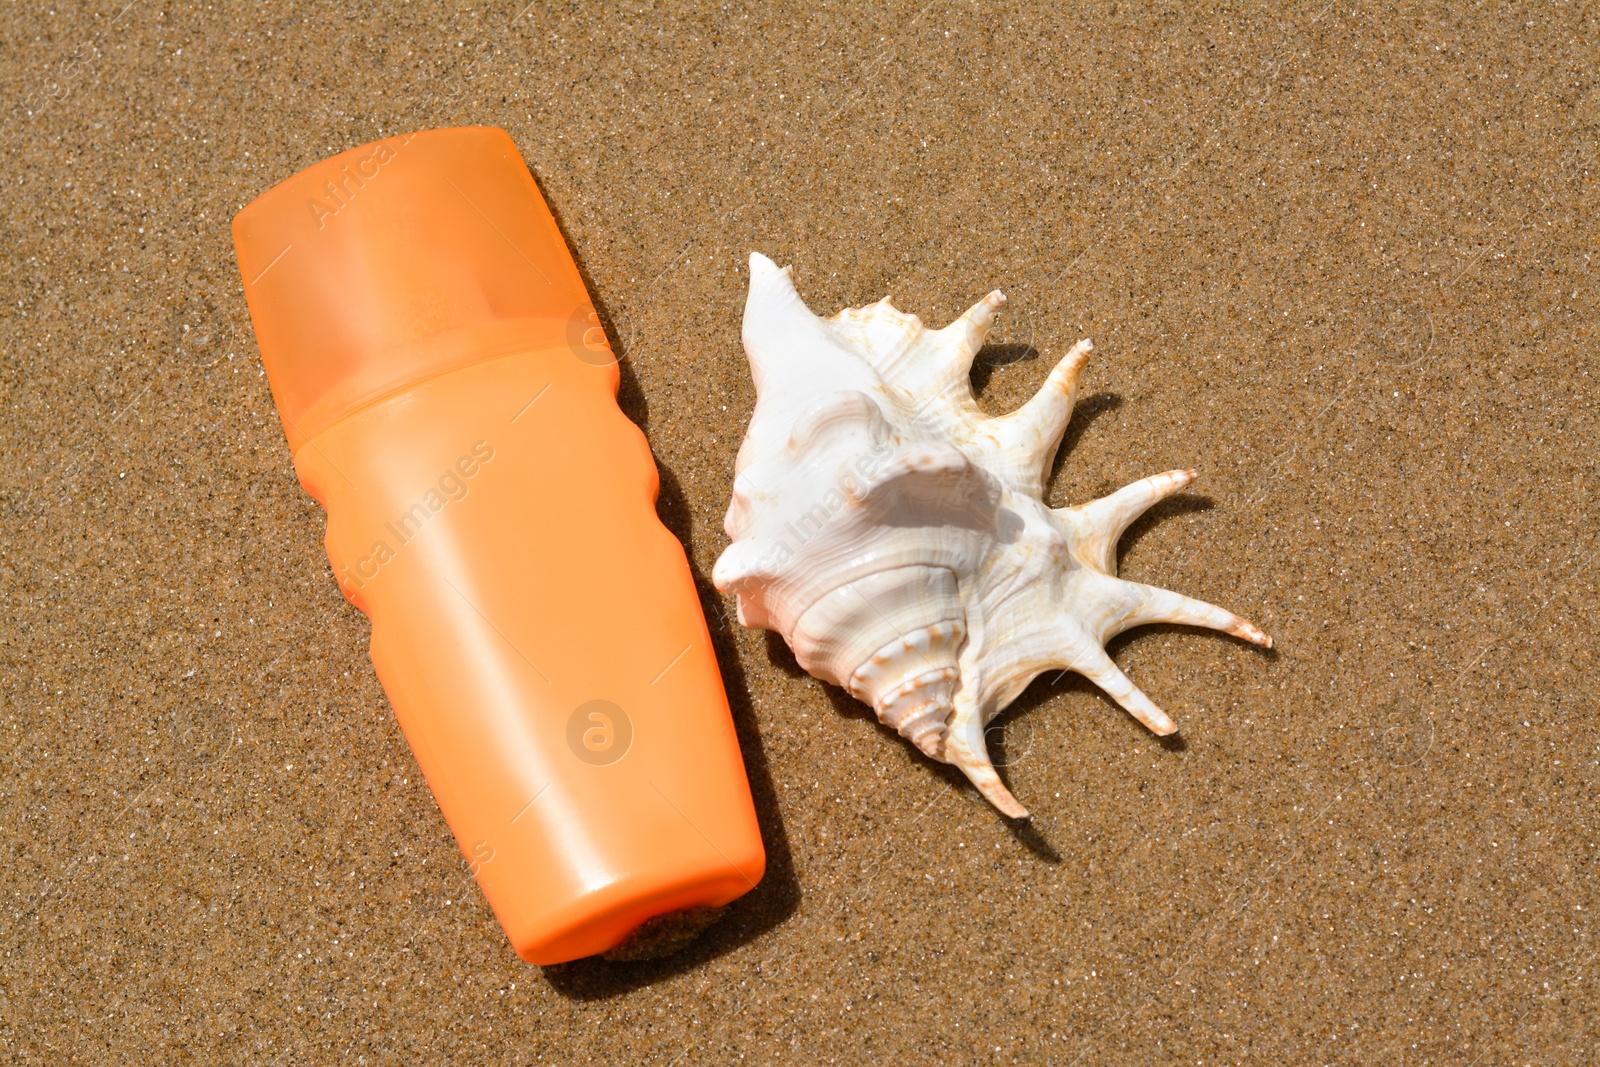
{"type": "Point", "coordinates": [539, 636]}
{"type": "Point", "coordinates": [450, 399]}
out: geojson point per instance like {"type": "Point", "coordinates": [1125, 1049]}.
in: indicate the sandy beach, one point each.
{"type": "Point", "coordinates": [1337, 258]}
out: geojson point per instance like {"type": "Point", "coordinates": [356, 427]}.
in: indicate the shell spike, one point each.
{"type": "Point", "coordinates": [1096, 666]}
{"type": "Point", "coordinates": [1163, 605]}
{"type": "Point", "coordinates": [1103, 521]}
{"type": "Point", "coordinates": [965, 748]}
{"type": "Point", "coordinates": [1032, 433]}
{"type": "Point", "coordinates": [768, 281]}
{"type": "Point", "coordinates": [966, 335]}
{"type": "Point", "coordinates": [763, 270]}
{"type": "Point", "coordinates": [787, 344]}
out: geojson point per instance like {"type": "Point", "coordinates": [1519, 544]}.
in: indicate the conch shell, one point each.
{"type": "Point", "coordinates": [896, 536]}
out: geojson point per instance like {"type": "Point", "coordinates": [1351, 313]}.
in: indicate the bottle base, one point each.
{"type": "Point", "coordinates": [624, 924]}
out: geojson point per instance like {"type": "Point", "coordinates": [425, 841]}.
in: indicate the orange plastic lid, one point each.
{"type": "Point", "coordinates": [399, 260]}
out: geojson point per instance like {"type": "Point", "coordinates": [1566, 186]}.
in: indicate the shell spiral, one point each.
{"type": "Point", "coordinates": [896, 537]}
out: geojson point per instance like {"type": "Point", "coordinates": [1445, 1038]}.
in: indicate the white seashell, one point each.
{"type": "Point", "coordinates": [896, 536]}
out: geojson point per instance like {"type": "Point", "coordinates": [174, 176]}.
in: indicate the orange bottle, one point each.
{"type": "Point", "coordinates": [450, 399]}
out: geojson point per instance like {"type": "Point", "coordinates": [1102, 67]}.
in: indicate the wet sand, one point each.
{"type": "Point", "coordinates": [1339, 259]}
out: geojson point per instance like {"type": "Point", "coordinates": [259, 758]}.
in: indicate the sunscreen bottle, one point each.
{"type": "Point", "coordinates": [450, 399]}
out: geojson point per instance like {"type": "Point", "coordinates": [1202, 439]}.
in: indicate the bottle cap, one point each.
{"type": "Point", "coordinates": [400, 260]}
